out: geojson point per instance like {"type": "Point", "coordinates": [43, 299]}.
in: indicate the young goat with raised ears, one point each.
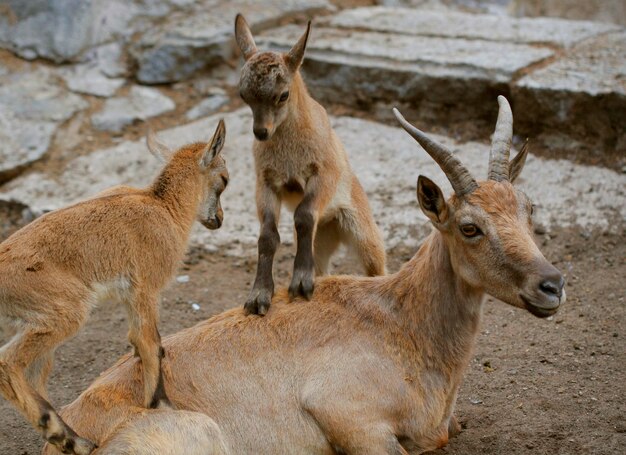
{"type": "Point", "coordinates": [300, 161]}
{"type": "Point", "coordinates": [124, 244]}
{"type": "Point", "coordinates": [376, 368]}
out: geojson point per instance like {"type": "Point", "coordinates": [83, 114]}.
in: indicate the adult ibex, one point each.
{"type": "Point", "coordinates": [300, 161]}
{"type": "Point", "coordinates": [125, 244]}
{"type": "Point", "coordinates": [375, 369]}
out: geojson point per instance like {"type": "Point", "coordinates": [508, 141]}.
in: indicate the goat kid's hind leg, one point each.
{"type": "Point", "coordinates": [144, 336]}
{"type": "Point", "coordinates": [15, 358]}
{"type": "Point", "coordinates": [37, 372]}
{"type": "Point", "coordinates": [327, 239]}
{"type": "Point", "coordinates": [363, 234]}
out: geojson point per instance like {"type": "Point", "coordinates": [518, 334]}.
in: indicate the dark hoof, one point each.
{"type": "Point", "coordinates": [302, 284]}
{"type": "Point", "coordinates": [259, 302]}
{"type": "Point", "coordinates": [63, 437]}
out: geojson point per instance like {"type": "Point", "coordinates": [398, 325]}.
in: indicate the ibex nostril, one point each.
{"type": "Point", "coordinates": [552, 286]}
{"type": "Point", "coordinates": [260, 133]}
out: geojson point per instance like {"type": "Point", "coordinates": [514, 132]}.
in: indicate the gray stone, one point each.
{"type": "Point", "coordinates": [140, 104]}
{"type": "Point", "coordinates": [110, 60]}
{"type": "Point", "coordinates": [439, 57]}
{"type": "Point", "coordinates": [207, 106]}
{"type": "Point", "coordinates": [88, 79]}
{"type": "Point", "coordinates": [470, 6]}
{"type": "Point", "coordinates": [450, 24]}
{"type": "Point", "coordinates": [33, 104]}
{"type": "Point", "coordinates": [187, 43]}
{"type": "Point", "coordinates": [63, 30]}
{"type": "Point", "coordinates": [386, 160]}
{"type": "Point", "coordinates": [581, 95]}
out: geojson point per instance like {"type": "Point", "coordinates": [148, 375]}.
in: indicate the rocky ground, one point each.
{"type": "Point", "coordinates": [76, 97]}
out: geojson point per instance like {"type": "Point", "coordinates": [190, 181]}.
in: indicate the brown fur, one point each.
{"type": "Point", "coordinates": [302, 163]}
{"type": "Point", "coordinates": [166, 432]}
{"type": "Point", "coordinates": [375, 369]}
{"type": "Point", "coordinates": [124, 244]}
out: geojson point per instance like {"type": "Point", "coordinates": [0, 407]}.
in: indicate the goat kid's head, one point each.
{"type": "Point", "coordinates": [487, 225]}
{"type": "Point", "coordinates": [266, 79]}
{"type": "Point", "coordinates": [212, 171]}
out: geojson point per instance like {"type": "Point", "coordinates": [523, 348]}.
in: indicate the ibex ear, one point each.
{"type": "Point", "coordinates": [161, 151]}
{"type": "Point", "coordinates": [431, 200]}
{"type": "Point", "coordinates": [517, 164]}
{"type": "Point", "coordinates": [296, 54]}
{"type": "Point", "coordinates": [243, 35]}
{"type": "Point", "coordinates": [214, 147]}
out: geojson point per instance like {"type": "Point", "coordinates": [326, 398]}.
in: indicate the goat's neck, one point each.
{"type": "Point", "coordinates": [178, 187]}
{"type": "Point", "coordinates": [437, 308]}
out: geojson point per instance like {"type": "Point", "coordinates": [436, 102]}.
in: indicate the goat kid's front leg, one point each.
{"type": "Point", "coordinates": [145, 338]}
{"type": "Point", "coordinates": [260, 297]}
{"type": "Point", "coordinates": [305, 219]}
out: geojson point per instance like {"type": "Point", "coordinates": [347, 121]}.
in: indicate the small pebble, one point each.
{"type": "Point", "coordinates": [195, 306]}
{"type": "Point", "coordinates": [182, 279]}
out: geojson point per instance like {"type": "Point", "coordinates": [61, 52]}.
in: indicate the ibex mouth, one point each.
{"type": "Point", "coordinates": [539, 310]}
{"type": "Point", "coordinates": [212, 224]}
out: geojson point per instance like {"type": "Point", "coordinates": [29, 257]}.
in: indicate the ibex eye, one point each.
{"type": "Point", "coordinates": [470, 230]}
{"type": "Point", "coordinates": [283, 97]}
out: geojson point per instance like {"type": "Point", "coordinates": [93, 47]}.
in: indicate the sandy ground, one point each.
{"type": "Point", "coordinates": [534, 386]}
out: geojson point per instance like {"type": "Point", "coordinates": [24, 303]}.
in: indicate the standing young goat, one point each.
{"type": "Point", "coordinates": [375, 369]}
{"type": "Point", "coordinates": [125, 245]}
{"type": "Point", "coordinates": [300, 161]}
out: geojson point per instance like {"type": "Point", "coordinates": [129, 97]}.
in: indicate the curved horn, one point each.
{"type": "Point", "coordinates": [460, 178]}
{"type": "Point", "coordinates": [501, 143]}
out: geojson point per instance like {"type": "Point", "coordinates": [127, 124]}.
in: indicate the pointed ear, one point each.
{"type": "Point", "coordinates": [296, 54]}
{"type": "Point", "coordinates": [161, 151]}
{"type": "Point", "coordinates": [431, 200]}
{"type": "Point", "coordinates": [214, 147]}
{"type": "Point", "coordinates": [517, 164]}
{"type": "Point", "coordinates": [243, 35]}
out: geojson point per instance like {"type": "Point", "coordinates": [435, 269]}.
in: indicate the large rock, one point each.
{"type": "Point", "coordinates": [436, 75]}
{"type": "Point", "coordinates": [34, 104]}
{"type": "Point", "coordinates": [140, 103]}
{"type": "Point", "coordinates": [386, 160]}
{"type": "Point", "coordinates": [189, 42]}
{"type": "Point", "coordinates": [450, 24]}
{"type": "Point", "coordinates": [63, 30]}
{"type": "Point", "coordinates": [581, 95]}
{"type": "Point", "coordinates": [447, 66]}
